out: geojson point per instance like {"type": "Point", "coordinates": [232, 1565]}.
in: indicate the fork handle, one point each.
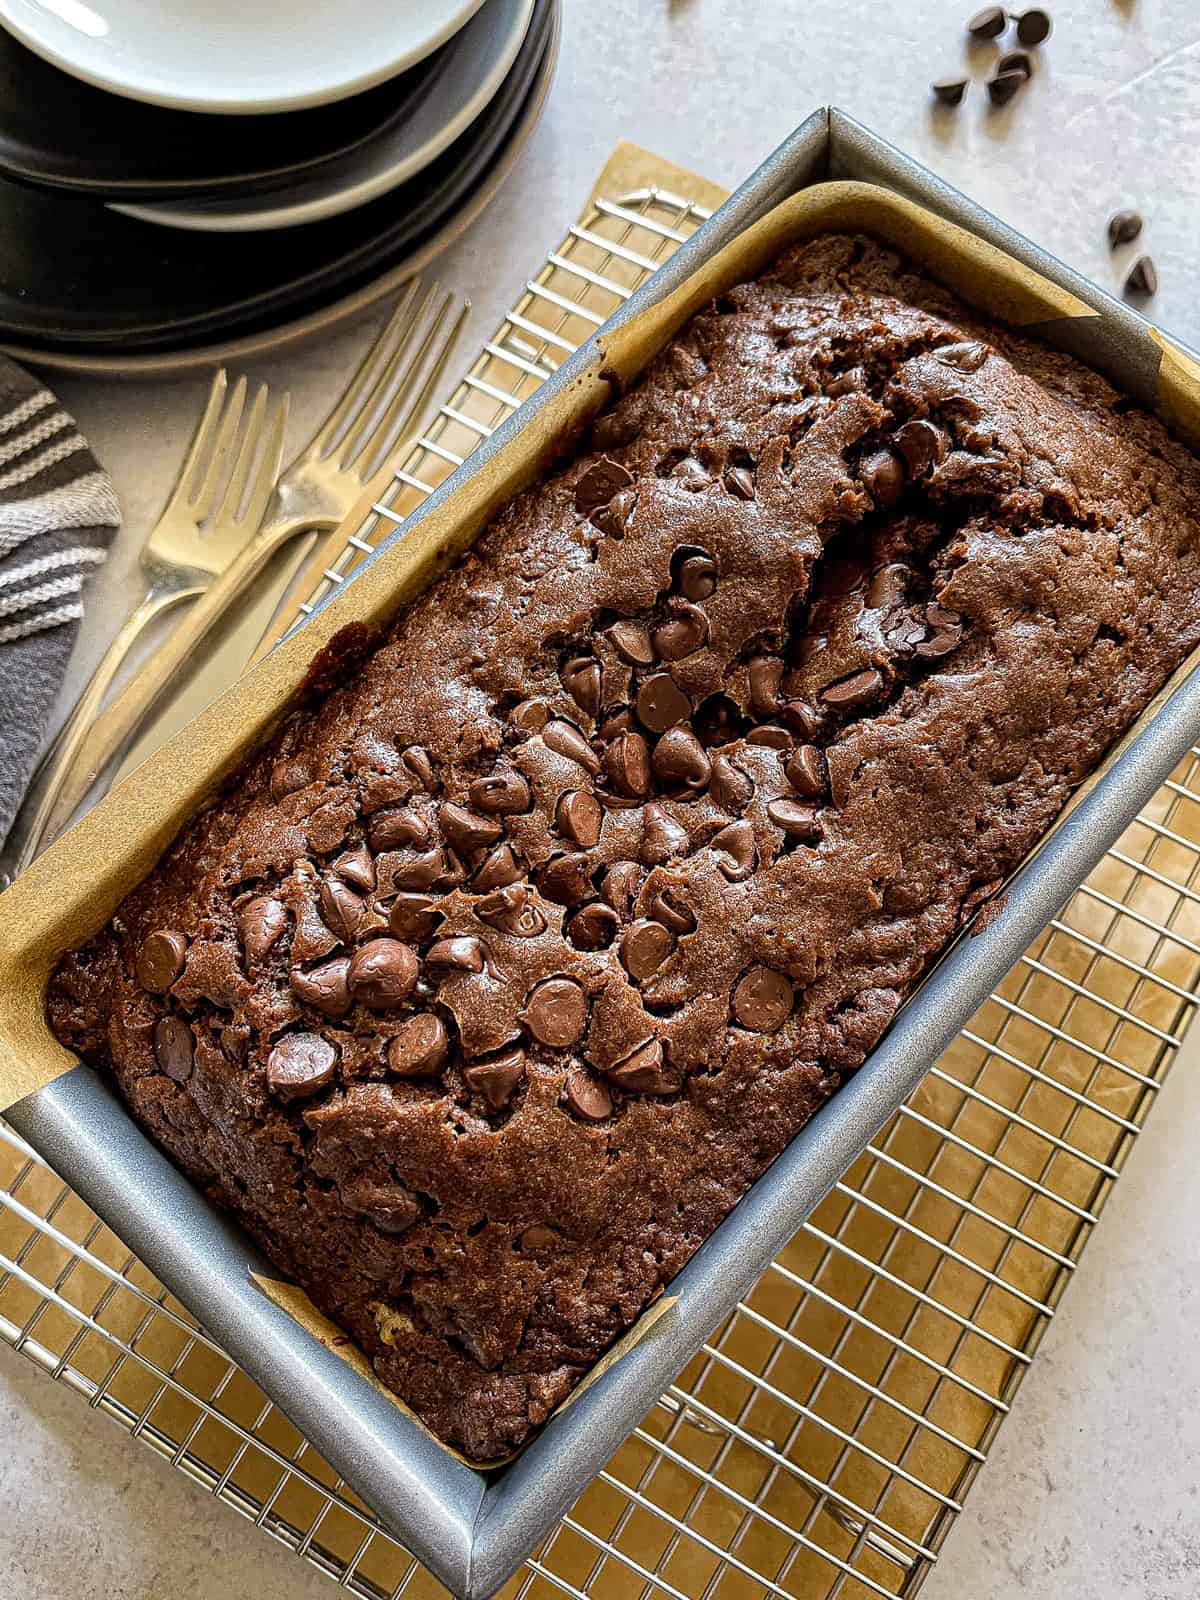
{"type": "Point", "coordinates": [108, 734]}
{"type": "Point", "coordinates": [53, 778]}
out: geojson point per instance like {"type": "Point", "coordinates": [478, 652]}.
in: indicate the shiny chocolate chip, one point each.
{"type": "Point", "coordinates": [556, 1012]}
{"type": "Point", "coordinates": [696, 578]}
{"type": "Point", "coordinates": [341, 908]}
{"type": "Point", "coordinates": [436, 868]}
{"type": "Point", "coordinates": [771, 735]}
{"type": "Point", "coordinates": [300, 1065]}
{"type": "Point", "coordinates": [357, 868]}
{"type": "Point", "coordinates": [588, 1097]}
{"type": "Point", "coordinates": [683, 635]}
{"type": "Point", "coordinates": [888, 586]}
{"type": "Point", "coordinates": [615, 723]}
{"type": "Point", "coordinates": [740, 482]}
{"type": "Point", "coordinates": [462, 953]}
{"type": "Point", "coordinates": [762, 1000]}
{"type": "Point", "coordinates": [579, 817]}
{"type": "Point", "coordinates": [500, 866]}
{"type": "Point", "coordinates": [735, 851]}
{"type": "Point", "coordinates": [288, 777]}
{"type": "Point", "coordinates": [1142, 277]}
{"type": "Point", "coordinates": [645, 1071]}
{"type": "Point", "coordinates": [383, 974]}
{"type": "Point", "coordinates": [1015, 61]}
{"type": "Point", "coordinates": [598, 484]}
{"type": "Point", "coordinates": [922, 444]}
{"type": "Point", "coordinates": [989, 23]}
{"type": "Point", "coordinates": [627, 765]}
{"type": "Point", "coordinates": [797, 820]}
{"type": "Point", "coordinates": [418, 764]}
{"type": "Point", "coordinates": [414, 916]}
{"type": "Point", "coordinates": [174, 1048]}
{"type": "Point", "coordinates": [496, 1079]}
{"type": "Point", "coordinates": [326, 988]}
{"type": "Point", "coordinates": [261, 924]}
{"type": "Point", "coordinates": [854, 693]}
{"type": "Point", "coordinates": [512, 910]}
{"type": "Point", "coordinates": [968, 356]}
{"type": "Point", "coordinates": [1033, 27]}
{"type": "Point", "coordinates": [806, 771]}
{"type": "Point", "coordinates": [731, 788]}
{"type": "Point", "coordinates": [680, 760]}
{"type": "Point", "coordinates": [765, 674]}
{"type": "Point", "coordinates": [661, 703]}
{"type": "Point", "coordinates": [949, 91]}
{"type": "Point", "coordinates": [593, 927]}
{"type": "Point", "coordinates": [420, 1047]}
{"type": "Point", "coordinates": [613, 518]}
{"type": "Point", "coordinates": [466, 830]}
{"type": "Point", "coordinates": [393, 829]}
{"type": "Point", "coordinates": [235, 1042]}
{"type": "Point", "coordinates": [644, 947]}
{"type": "Point", "coordinates": [529, 716]}
{"type": "Point", "coordinates": [1002, 88]}
{"type": "Point", "coordinates": [500, 794]}
{"type": "Point", "coordinates": [663, 839]}
{"type": "Point", "coordinates": [632, 643]}
{"type": "Point", "coordinates": [620, 886]}
{"type": "Point", "coordinates": [669, 906]}
{"type": "Point", "coordinates": [565, 879]}
{"type": "Point", "coordinates": [801, 720]}
{"type": "Point", "coordinates": [581, 680]}
{"type": "Point", "coordinates": [566, 740]}
{"type": "Point", "coordinates": [882, 473]}
{"type": "Point", "coordinates": [160, 960]}
{"type": "Point", "coordinates": [1124, 227]}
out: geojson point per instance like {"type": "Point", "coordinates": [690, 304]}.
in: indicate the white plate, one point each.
{"type": "Point", "coordinates": [237, 56]}
{"type": "Point", "coordinates": [473, 67]}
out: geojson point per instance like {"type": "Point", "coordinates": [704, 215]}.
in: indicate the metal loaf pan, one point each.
{"type": "Point", "coordinates": [474, 1528]}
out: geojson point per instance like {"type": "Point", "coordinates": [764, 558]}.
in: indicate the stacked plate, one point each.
{"type": "Point", "coordinates": [212, 178]}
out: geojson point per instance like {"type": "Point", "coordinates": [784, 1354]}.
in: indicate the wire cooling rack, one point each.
{"type": "Point", "coordinates": [824, 1440]}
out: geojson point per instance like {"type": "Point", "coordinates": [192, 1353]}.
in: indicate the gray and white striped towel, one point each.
{"type": "Point", "coordinates": [58, 513]}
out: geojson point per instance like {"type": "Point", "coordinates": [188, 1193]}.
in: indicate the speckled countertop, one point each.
{"type": "Point", "coordinates": [1094, 1484]}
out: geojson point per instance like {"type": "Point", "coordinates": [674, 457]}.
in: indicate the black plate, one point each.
{"type": "Point", "coordinates": [64, 134]}
{"type": "Point", "coordinates": [76, 276]}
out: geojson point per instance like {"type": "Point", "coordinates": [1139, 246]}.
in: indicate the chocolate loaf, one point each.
{"type": "Point", "coordinates": [491, 985]}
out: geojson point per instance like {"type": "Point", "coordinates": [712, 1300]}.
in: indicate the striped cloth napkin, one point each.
{"type": "Point", "coordinates": [58, 514]}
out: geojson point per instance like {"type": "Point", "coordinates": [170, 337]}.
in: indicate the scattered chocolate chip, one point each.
{"type": "Point", "coordinates": [341, 908]}
{"type": "Point", "coordinates": [765, 674]}
{"type": "Point", "coordinates": [802, 720]}
{"type": "Point", "coordinates": [620, 886]}
{"type": "Point", "coordinates": [579, 817]}
{"type": "Point", "coordinates": [235, 1042]}
{"type": "Point", "coordinates": [851, 381]}
{"type": "Point", "coordinates": [806, 771]}
{"type": "Point", "coordinates": [762, 1000]}
{"type": "Point", "coordinates": [740, 482]}
{"type": "Point", "coordinates": [1142, 277]}
{"type": "Point", "coordinates": [414, 916]}
{"type": "Point", "coordinates": [627, 765]}
{"type": "Point", "coordinates": [922, 444]}
{"type": "Point", "coordinates": [588, 1097]}
{"type": "Point", "coordinates": [731, 788]}
{"type": "Point", "coordinates": [598, 484]}
{"type": "Point", "coordinates": [261, 924]}
{"type": "Point", "coordinates": [386, 1206]}
{"type": "Point", "coordinates": [989, 23]}
{"type": "Point", "coordinates": [882, 473]}
{"type": "Point", "coordinates": [288, 777]}
{"type": "Point", "coordinates": [1123, 228]}
{"type": "Point", "coordinates": [968, 356]}
{"type": "Point", "coordinates": [497, 1078]}
{"type": "Point", "coordinates": [174, 1048]}
{"type": "Point", "coordinates": [669, 907]}
{"type": "Point", "coordinates": [1034, 27]}
{"type": "Point", "coordinates": [325, 988]}
{"type": "Point", "coordinates": [419, 765]}
{"type": "Point", "coordinates": [1004, 87]}
{"type": "Point", "coordinates": [581, 680]}
{"type": "Point", "coordinates": [301, 1065]}
{"type": "Point", "coordinates": [356, 867]}
{"type": "Point", "coordinates": [632, 643]}
{"type": "Point", "coordinates": [537, 1238]}
{"type": "Point", "coordinates": [949, 91]}
{"type": "Point", "coordinates": [645, 1071]}
{"type": "Point", "coordinates": [853, 693]}
{"type": "Point", "coordinates": [512, 910]}
{"type": "Point", "coordinates": [383, 974]}
{"type": "Point", "coordinates": [556, 1012]}
{"type": "Point", "coordinates": [680, 760]}
{"type": "Point", "coordinates": [462, 953]}
{"type": "Point", "coordinates": [613, 519]}
{"type": "Point", "coordinates": [397, 830]}
{"type": "Point", "coordinates": [160, 960]}
{"type": "Point", "coordinates": [566, 740]}
{"type": "Point", "coordinates": [735, 850]}
{"type": "Point", "coordinates": [683, 635]}
{"type": "Point", "coordinates": [663, 839]}
{"type": "Point", "coordinates": [796, 820]}
{"type": "Point", "coordinates": [529, 716]}
{"type": "Point", "coordinates": [420, 1047]}
{"type": "Point", "coordinates": [947, 632]}
{"type": "Point", "coordinates": [661, 703]}
{"type": "Point", "coordinates": [696, 577]}
{"type": "Point", "coordinates": [616, 723]}
{"type": "Point", "coordinates": [500, 794]}
{"type": "Point", "coordinates": [438, 868]}
{"type": "Point", "coordinates": [644, 948]}
{"type": "Point", "coordinates": [888, 586]}
{"type": "Point", "coordinates": [771, 736]}
{"type": "Point", "coordinates": [1015, 61]}
{"type": "Point", "coordinates": [468, 831]}
{"type": "Point", "coordinates": [499, 867]}
{"type": "Point", "coordinates": [566, 879]}
{"type": "Point", "coordinates": [717, 721]}
{"type": "Point", "coordinates": [808, 647]}
{"type": "Point", "coordinates": [840, 576]}
{"type": "Point", "coordinates": [593, 927]}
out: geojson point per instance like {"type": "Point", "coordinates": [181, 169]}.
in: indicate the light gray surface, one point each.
{"type": "Point", "coordinates": [1095, 1479]}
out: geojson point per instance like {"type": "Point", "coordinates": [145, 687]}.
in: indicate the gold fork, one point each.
{"type": "Point", "coordinates": [347, 458]}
